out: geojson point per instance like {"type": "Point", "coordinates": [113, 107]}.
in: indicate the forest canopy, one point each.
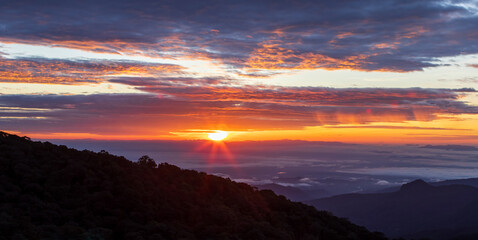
{"type": "Point", "coordinates": [55, 192]}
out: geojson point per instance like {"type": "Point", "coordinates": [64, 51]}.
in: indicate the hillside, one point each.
{"type": "Point", "coordinates": [417, 209]}
{"type": "Point", "coordinates": [292, 193]}
{"type": "Point", "coordinates": [473, 182]}
{"type": "Point", "coordinates": [468, 181]}
{"type": "Point", "coordinates": [53, 192]}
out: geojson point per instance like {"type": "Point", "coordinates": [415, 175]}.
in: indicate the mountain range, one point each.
{"type": "Point", "coordinates": [446, 210]}
{"type": "Point", "coordinates": [467, 181]}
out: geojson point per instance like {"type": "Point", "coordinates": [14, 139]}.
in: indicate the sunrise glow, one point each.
{"type": "Point", "coordinates": [309, 99]}
{"type": "Point", "coordinates": [167, 78]}
{"type": "Point", "coordinates": [217, 135]}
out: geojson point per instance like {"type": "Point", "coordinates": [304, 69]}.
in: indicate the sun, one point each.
{"type": "Point", "coordinates": [217, 135]}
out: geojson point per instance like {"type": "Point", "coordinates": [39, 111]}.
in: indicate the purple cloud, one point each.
{"type": "Point", "coordinates": [370, 35]}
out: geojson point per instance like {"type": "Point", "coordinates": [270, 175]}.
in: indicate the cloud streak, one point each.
{"type": "Point", "coordinates": [55, 71]}
{"type": "Point", "coordinates": [327, 105]}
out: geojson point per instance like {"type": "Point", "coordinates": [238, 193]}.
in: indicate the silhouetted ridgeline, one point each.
{"type": "Point", "coordinates": [416, 210]}
{"type": "Point", "coordinates": [52, 192]}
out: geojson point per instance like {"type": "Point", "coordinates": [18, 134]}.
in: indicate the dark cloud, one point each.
{"type": "Point", "coordinates": [371, 35]}
{"type": "Point", "coordinates": [452, 147]}
{"type": "Point", "coordinates": [469, 90]}
{"type": "Point", "coordinates": [400, 127]}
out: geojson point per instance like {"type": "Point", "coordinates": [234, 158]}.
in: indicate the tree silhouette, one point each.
{"type": "Point", "coordinates": [146, 161]}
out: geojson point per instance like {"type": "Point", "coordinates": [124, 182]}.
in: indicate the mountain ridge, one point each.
{"type": "Point", "coordinates": [54, 192]}
{"type": "Point", "coordinates": [473, 182]}
{"type": "Point", "coordinates": [416, 210]}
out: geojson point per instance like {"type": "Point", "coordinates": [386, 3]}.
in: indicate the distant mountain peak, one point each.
{"type": "Point", "coordinates": [418, 210]}
{"type": "Point", "coordinates": [416, 185]}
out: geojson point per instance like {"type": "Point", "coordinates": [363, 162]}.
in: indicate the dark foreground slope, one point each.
{"type": "Point", "coordinates": [418, 209]}
{"type": "Point", "coordinates": [292, 193]}
{"type": "Point", "coordinates": [52, 192]}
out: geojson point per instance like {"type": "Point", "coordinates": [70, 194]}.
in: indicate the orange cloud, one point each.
{"type": "Point", "coordinates": [171, 46]}
{"type": "Point", "coordinates": [74, 72]}
{"type": "Point", "coordinates": [273, 56]}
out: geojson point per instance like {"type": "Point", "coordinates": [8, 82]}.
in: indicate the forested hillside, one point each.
{"type": "Point", "coordinates": [53, 192]}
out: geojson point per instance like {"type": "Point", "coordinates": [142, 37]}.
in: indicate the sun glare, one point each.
{"type": "Point", "coordinates": [217, 135]}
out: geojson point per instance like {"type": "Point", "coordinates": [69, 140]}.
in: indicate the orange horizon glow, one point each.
{"type": "Point", "coordinates": [440, 131]}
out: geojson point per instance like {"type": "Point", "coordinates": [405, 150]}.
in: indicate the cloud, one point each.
{"type": "Point", "coordinates": [252, 36]}
{"type": "Point", "coordinates": [399, 127]}
{"type": "Point", "coordinates": [55, 71]}
{"type": "Point", "coordinates": [176, 104]}
{"type": "Point", "coordinates": [214, 89]}
{"type": "Point", "coordinates": [151, 84]}
{"type": "Point", "coordinates": [468, 80]}
{"type": "Point", "coordinates": [382, 182]}
{"type": "Point", "coordinates": [316, 105]}
{"type": "Point", "coordinates": [452, 147]}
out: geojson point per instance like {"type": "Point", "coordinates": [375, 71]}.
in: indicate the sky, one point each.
{"type": "Point", "coordinates": [353, 71]}
{"type": "Point", "coordinates": [366, 72]}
